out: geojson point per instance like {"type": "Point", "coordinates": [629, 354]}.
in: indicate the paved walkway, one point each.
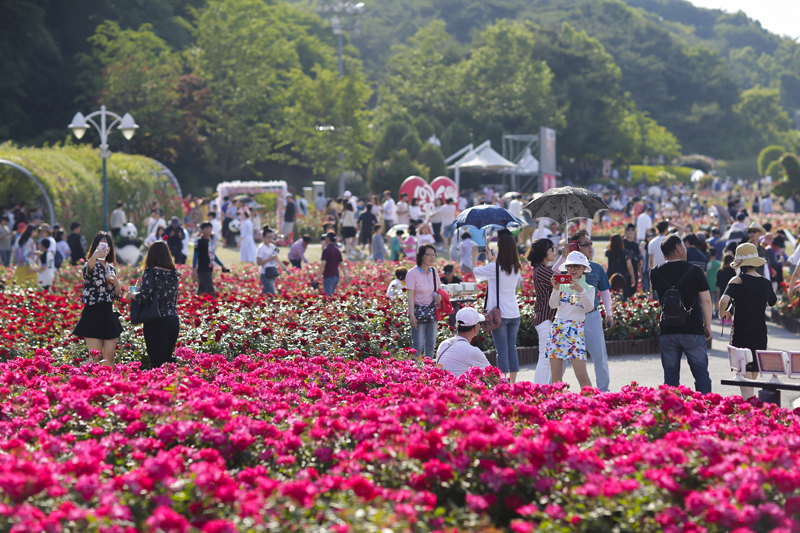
{"type": "Point", "coordinates": [646, 369]}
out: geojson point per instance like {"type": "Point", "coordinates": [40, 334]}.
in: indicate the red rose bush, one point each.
{"type": "Point", "coordinates": [303, 413]}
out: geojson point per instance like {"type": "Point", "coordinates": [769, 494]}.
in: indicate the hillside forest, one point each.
{"type": "Point", "coordinates": [242, 89]}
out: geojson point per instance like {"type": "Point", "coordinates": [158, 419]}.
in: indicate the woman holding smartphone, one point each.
{"type": "Point", "coordinates": [99, 325]}
{"type": "Point", "coordinates": [502, 274]}
{"type": "Point", "coordinates": [160, 278]}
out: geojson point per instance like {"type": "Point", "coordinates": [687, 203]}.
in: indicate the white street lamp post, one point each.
{"type": "Point", "coordinates": [341, 14]}
{"type": "Point", "coordinates": [126, 125]}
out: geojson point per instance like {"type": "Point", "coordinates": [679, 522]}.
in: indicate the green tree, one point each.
{"type": "Point", "coordinates": [767, 156]}
{"type": "Point", "coordinates": [136, 71]}
{"type": "Point", "coordinates": [421, 73]}
{"type": "Point", "coordinates": [760, 111]}
{"type": "Point", "coordinates": [789, 185]}
{"type": "Point", "coordinates": [389, 174]}
{"type": "Point", "coordinates": [431, 157]}
{"type": "Point", "coordinates": [774, 169]}
{"type": "Point", "coordinates": [272, 89]}
{"type": "Point", "coordinates": [390, 140]}
{"type": "Point", "coordinates": [502, 82]}
{"type": "Point", "coordinates": [455, 137]}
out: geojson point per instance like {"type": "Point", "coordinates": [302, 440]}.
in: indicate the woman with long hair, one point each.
{"type": "Point", "coordinates": [502, 274]}
{"type": "Point", "coordinates": [349, 227]}
{"type": "Point", "coordinates": [23, 252]}
{"type": "Point", "coordinates": [247, 244]}
{"type": "Point", "coordinates": [619, 262]}
{"type": "Point", "coordinates": [541, 255]}
{"type": "Point", "coordinates": [421, 288]}
{"type": "Point", "coordinates": [160, 279]}
{"type": "Point", "coordinates": [99, 325]}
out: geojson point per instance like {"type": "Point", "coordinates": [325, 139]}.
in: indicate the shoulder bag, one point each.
{"type": "Point", "coordinates": [493, 317]}
{"type": "Point", "coordinates": [141, 313]}
{"type": "Point", "coordinates": [427, 313]}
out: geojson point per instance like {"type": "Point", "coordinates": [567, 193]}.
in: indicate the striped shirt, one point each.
{"type": "Point", "coordinates": [543, 287]}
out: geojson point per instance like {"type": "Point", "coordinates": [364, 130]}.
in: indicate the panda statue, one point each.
{"type": "Point", "coordinates": [128, 251]}
{"type": "Point", "coordinates": [235, 225]}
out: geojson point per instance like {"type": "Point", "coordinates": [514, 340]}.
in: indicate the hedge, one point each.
{"type": "Point", "coordinates": [72, 177]}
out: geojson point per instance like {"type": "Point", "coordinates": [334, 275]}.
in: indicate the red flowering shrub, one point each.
{"type": "Point", "coordinates": [267, 442]}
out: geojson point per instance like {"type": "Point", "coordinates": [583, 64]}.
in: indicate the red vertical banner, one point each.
{"type": "Point", "coordinates": [548, 182]}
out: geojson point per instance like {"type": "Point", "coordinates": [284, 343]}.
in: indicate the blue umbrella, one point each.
{"type": "Point", "coordinates": [482, 216]}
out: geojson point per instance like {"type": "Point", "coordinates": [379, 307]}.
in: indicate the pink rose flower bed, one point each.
{"type": "Point", "coordinates": [282, 442]}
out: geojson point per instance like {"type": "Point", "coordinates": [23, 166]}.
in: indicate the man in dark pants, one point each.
{"type": "Point", "coordinates": [204, 259]}
{"type": "Point", "coordinates": [690, 338]}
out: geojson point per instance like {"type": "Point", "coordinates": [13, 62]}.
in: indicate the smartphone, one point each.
{"type": "Point", "coordinates": [573, 246]}
{"type": "Point", "coordinates": [482, 249]}
{"type": "Point", "coordinates": [563, 279]}
{"type": "Point", "coordinates": [102, 246]}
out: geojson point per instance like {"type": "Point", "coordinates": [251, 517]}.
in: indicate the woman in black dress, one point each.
{"type": "Point", "coordinates": [751, 294]}
{"type": "Point", "coordinates": [619, 262]}
{"type": "Point", "coordinates": [160, 278]}
{"type": "Point", "coordinates": [99, 325]}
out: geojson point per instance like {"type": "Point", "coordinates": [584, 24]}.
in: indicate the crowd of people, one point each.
{"type": "Point", "coordinates": [695, 274]}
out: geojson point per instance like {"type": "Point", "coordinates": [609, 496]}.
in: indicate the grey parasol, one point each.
{"type": "Point", "coordinates": [566, 203]}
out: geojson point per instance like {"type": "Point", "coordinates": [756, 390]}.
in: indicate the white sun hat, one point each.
{"type": "Point", "coordinates": [575, 258]}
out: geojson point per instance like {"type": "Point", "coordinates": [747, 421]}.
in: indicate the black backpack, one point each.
{"type": "Point", "coordinates": [58, 259]}
{"type": "Point", "coordinates": [673, 311]}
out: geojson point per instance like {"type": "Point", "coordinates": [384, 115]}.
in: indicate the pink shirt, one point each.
{"type": "Point", "coordinates": [422, 285]}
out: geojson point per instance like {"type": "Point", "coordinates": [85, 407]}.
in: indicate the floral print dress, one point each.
{"type": "Point", "coordinates": [566, 339]}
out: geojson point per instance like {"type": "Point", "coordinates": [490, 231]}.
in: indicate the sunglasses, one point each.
{"type": "Point", "coordinates": [754, 231]}
{"type": "Point", "coordinates": [586, 244]}
{"type": "Point", "coordinates": [572, 267]}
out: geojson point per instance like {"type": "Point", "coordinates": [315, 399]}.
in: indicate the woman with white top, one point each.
{"type": "Point", "coordinates": [414, 212]}
{"type": "Point", "coordinates": [349, 227]}
{"type": "Point", "coordinates": [572, 301]}
{"type": "Point", "coordinates": [425, 236]}
{"type": "Point", "coordinates": [268, 261]}
{"type": "Point", "coordinates": [507, 268]}
{"type": "Point", "coordinates": [247, 244]}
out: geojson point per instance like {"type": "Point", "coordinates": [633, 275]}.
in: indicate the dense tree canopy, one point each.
{"type": "Point", "coordinates": [232, 89]}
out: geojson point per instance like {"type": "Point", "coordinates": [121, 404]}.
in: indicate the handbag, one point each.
{"type": "Point", "coordinates": [271, 272]}
{"type": "Point", "coordinates": [493, 317]}
{"type": "Point", "coordinates": [141, 313]}
{"type": "Point", "coordinates": [427, 313]}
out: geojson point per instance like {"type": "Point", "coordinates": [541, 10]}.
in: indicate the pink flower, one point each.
{"type": "Point", "coordinates": [166, 520]}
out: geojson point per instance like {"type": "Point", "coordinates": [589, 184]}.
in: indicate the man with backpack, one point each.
{"type": "Point", "coordinates": [685, 299]}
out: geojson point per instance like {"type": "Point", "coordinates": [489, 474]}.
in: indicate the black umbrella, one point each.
{"type": "Point", "coordinates": [566, 203]}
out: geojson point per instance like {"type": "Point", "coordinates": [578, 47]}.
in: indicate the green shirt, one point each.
{"type": "Point", "coordinates": [711, 272]}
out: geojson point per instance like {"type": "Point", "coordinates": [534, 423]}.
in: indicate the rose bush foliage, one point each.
{"type": "Point", "coordinates": [282, 442]}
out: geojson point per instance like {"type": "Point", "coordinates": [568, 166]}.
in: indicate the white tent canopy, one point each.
{"type": "Point", "coordinates": [481, 159]}
{"type": "Point", "coordinates": [528, 163]}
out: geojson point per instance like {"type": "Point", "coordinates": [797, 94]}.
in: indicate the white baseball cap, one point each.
{"type": "Point", "coordinates": [468, 316]}
{"type": "Point", "coordinates": [575, 258]}
{"type": "Point", "coordinates": [347, 194]}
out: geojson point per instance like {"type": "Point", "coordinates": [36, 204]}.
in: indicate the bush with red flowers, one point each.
{"type": "Point", "coordinates": [284, 442]}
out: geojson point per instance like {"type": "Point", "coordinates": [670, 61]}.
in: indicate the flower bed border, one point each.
{"type": "Point", "coordinates": [789, 323]}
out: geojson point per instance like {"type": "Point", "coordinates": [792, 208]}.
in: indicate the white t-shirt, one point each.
{"type": "Point", "coordinates": [154, 224]}
{"type": "Point", "coordinates": [448, 212]}
{"type": "Point", "coordinates": [509, 307]}
{"type": "Point", "coordinates": [414, 212]}
{"type": "Point", "coordinates": [395, 289]}
{"type": "Point", "coordinates": [465, 250]}
{"type": "Point", "coordinates": [462, 203]}
{"type": "Point", "coordinates": [654, 249]}
{"type": "Point", "coordinates": [515, 208]}
{"type": "Point", "coordinates": [425, 238]}
{"type": "Point", "coordinates": [643, 223]}
{"type": "Point", "coordinates": [263, 252]}
{"type": "Point", "coordinates": [457, 355]}
{"type": "Point", "coordinates": [63, 247]}
{"type": "Point", "coordinates": [388, 210]}
{"type": "Point", "coordinates": [46, 277]}
{"type": "Point", "coordinates": [402, 218]}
